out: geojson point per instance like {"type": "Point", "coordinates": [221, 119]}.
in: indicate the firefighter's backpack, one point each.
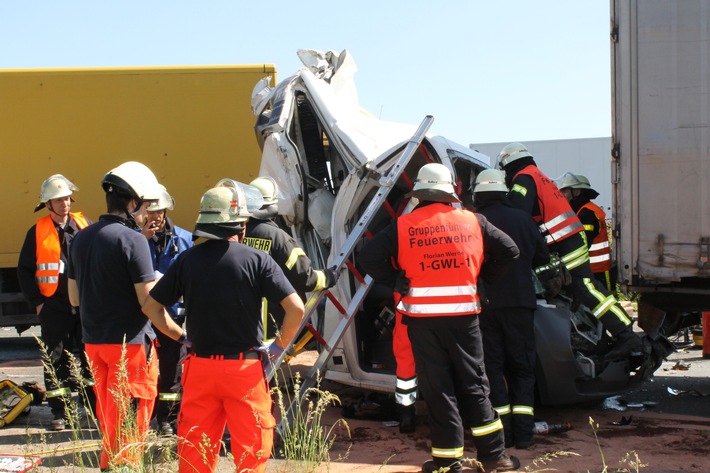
{"type": "Point", "coordinates": [13, 402]}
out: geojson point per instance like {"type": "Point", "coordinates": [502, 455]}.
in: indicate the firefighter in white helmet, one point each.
{"type": "Point", "coordinates": [507, 316]}
{"type": "Point", "coordinates": [579, 193]}
{"type": "Point", "coordinates": [41, 271]}
{"type": "Point", "coordinates": [433, 257]}
{"type": "Point", "coordinates": [110, 274]}
{"type": "Point", "coordinates": [167, 241]}
{"type": "Point", "coordinates": [536, 194]}
{"type": "Point", "coordinates": [263, 233]}
{"type": "Point", "coordinates": [223, 282]}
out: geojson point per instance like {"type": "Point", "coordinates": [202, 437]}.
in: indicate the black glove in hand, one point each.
{"type": "Point", "coordinates": [331, 277]}
{"type": "Point", "coordinates": [401, 284]}
{"type": "Point", "coordinates": [552, 281]}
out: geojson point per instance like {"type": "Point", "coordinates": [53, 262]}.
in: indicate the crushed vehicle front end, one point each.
{"type": "Point", "coordinates": [328, 157]}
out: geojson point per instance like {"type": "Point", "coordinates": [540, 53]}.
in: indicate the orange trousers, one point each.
{"type": "Point", "coordinates": [124, 399]}
{"type": "Point", "coordinates": [218, 392]}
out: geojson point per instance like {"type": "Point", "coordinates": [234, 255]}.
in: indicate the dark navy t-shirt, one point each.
{"type": "Point", "coordinates": [107, 258]}
{"type": "Point", "coordinates": [223, 283]}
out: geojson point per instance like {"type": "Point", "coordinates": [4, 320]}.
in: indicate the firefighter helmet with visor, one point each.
{"type": "Point", "coordinates": [511, 152]}
{"type": "Point", "coordinates": [268, 188]}
{"type": "Point", "coordinates": [54, 187]}
{"type": "Point", "coordinates": [435, 183]}
{"type": "Point", "coordinates": [490, 180]}
{"type": "Point", "coordinates": [134, 179]}
{"type": "Point", "coordinates": [164, 202]}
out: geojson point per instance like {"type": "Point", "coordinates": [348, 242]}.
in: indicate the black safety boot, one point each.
{"type": "Point", "coordinates": [431, 466]}
{"type": "Point", "coordinates": [407, 419]}
{"type": "Point", "coordinates": [502, 463]}
{"type": "Point", "coordinates": [626, 343]}
{"type": "Point", "coordinates": [166, 429]}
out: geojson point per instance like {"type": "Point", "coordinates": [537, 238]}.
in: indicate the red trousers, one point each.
{"type": "Point", "coordinates": [120, 392]}
{"type": "Point", "coordinates": [218, 392]}
{"type": "Point", "coordinates": [405, 392]}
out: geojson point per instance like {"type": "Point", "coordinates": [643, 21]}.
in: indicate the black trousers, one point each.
{"type": "Point", "coordinates": [453, 382]}
{"type": "Point", "coordinates": [590, 291]}
{"type": "Point", "coordinates": [61, 334]}
{"type": "Point", "coordinates": [510, 356]}
{"type": "Point", "coordinates": [171, 354]}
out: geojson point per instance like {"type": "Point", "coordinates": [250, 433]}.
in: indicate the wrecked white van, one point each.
{"type": "Point", "coordinates": [343, 175]}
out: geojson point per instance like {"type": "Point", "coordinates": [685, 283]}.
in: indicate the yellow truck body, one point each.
{"type": "Point", "coordinates": [191, 125]}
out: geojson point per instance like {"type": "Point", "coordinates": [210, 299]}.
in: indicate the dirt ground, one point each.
{"type": "Point", "coordinates": [670, 435]}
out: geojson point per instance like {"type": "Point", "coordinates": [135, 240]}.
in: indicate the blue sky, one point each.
{"type": "Point", "coordinates": [509, 70]}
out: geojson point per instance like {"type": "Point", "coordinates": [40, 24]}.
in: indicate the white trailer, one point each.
{"type": "Point", "coordinates": [661, 148]}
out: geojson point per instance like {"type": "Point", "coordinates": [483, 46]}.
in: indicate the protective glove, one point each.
{"type": "Point", "coordinates": [551, 281]}
{"type": "Point", "coordinates": [401, 284]}
{"type": "Point", "coordinates": [269, 354]}
{"type": "Point", "coordinates": [331, 277]}
{"type": "Point", "coordinates": [185, 341]}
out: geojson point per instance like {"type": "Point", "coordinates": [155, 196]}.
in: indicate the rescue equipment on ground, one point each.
{"type": "Point", "coordinates": [13, 402]}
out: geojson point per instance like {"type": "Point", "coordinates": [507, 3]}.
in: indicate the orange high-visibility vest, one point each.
{"type": "Point", "coordinates": [557, 220]}
{"type": "Point", "coordinates": [440, 248]}
{"type": "Point", "coordinates": [599, 249]}
{"type": "Point", "coordinates": [49, 251]}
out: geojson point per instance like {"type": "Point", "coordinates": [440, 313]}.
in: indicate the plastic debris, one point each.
{"type": "Point", "coordinates": [615, 403]}
{"type": "Point", "coordinates": [624, 421]}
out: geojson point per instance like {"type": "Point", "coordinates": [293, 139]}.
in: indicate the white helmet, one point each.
{"type": "Point", "coordinates": [164, 202]}
{"type": "Point", "coordinates": [54, 187]}
{"type": "Point", "coordinates": [435, 183]}
{"type": "Point", "coordinates": [268, 188]}
{"type": "Point", "coordinates": [511, 152]}
{"type": "Point", "coordinates": [574, 181]}
{"type": "Point", "coordinates": [134, 179]}
{"type": "Point", "coordinates": [254, 199]}
{"type": "Point", "coordinates": [490, 180]}
{"type": "Point", "coordinates": [223, 204]}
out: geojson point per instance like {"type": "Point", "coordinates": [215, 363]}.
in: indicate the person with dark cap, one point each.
{"type": "Point", "coordinates": [536, 194]}
{"type": "Point", "coordinates": [263, 233]}
{"type": "Point", "coordinates": [110, 273]}
{"type": "Point", "coordinates": [507, 317]}
{"type": "Point", "coordinates": [579, 193]}
{"type": "Point", "coordinates": [222, 283]}
{"type": "Point", "coordinates": [41, 272]}
{"type": "Point", "coordinates": [167, 241]}
{"type": "Point", "coordinates": [434, 257]}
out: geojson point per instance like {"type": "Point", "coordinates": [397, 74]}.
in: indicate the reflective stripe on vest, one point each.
{"type": "Point", "coordinates": [557, 221]}
{"type": "Point", "coordinates": [437, 245]}
{"type": "Point", "coordinates": [599, 250]}
{"type": "Point", "coordinates": [48, 252]}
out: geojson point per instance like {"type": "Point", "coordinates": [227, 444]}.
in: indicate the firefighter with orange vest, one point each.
{"type": "Point", "coordinates": [434, 257]}
{"type": "Point", "coordinates": [579, 193]}
{"type": "Point", "coordinates": [535, 193]}
{"type": "Point", "coordinates": [42, 275]}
